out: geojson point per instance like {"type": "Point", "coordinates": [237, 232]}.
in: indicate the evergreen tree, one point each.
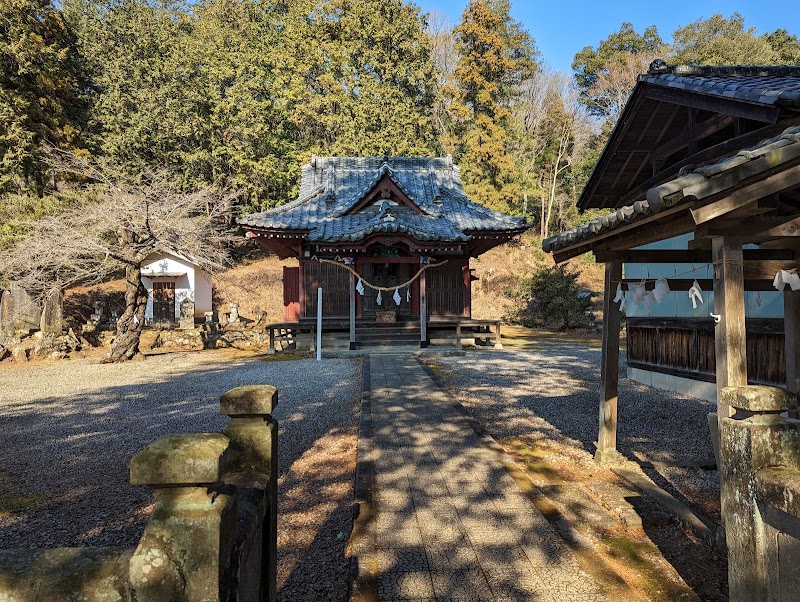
{"type": "Point", "coordinates": [721, 41]}
{"type": "Point", "coordinates": [607, 74]}
{"type": "Point", "coordinates": [141, 103]}
{"type": "Point", "coordinates": [786, 46]}
{"type": "Point", "coordinates": [39, 86]}
{"type": "Point", "coordinates": [246, 141]}
{"type": "Point", "coordinates": [496, 56]}
{"type": "Point", "coordinates": [357, 77]}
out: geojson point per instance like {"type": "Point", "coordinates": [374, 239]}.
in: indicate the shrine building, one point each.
{"type": "Point", "coordinates": [388, 239]}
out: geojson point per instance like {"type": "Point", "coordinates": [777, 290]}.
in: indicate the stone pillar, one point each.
{"type": "Point", "coordinates": [52, 319]}
{"type": "Point", "coordinates": [187, 544]}
{"type": "Point", "coordinates": [186, 321]}
{"type": "Point", "coordinates": [253, 434]}
{"type": "Point", "coordinates": [754, 437]}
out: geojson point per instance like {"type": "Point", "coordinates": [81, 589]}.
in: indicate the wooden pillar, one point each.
{"type": "Point", "coordinates": [791, 329]}
{"type": "Point", "coordinates": [609, 368]}
{"type": "Point", "coordinates": [352, 311]}
{"type": "Point", "coordinates": [467, 277]}
{"type": "Point", "coordinates": [423, 312]}
{"type": "Point", "coordinates": [730, 340]}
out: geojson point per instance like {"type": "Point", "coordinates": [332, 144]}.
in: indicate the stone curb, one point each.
{"type": "Point", "coordinates": [363, 581]}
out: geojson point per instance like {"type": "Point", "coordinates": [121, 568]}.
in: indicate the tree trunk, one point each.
{"type": "Point", "coordinates": [131, 322]}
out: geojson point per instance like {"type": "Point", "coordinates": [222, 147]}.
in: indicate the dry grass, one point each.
{"type": "Point", "coordinates": [257, 284]}
{"type": "Point", "coordinates": [504, 268]}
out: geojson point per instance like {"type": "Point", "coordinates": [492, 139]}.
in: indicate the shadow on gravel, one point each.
{"type": "Point", "coordinates": [65, 457]}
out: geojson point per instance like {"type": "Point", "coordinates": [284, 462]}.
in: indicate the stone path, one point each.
{"type": "Point", "coordinates": [450, 524]}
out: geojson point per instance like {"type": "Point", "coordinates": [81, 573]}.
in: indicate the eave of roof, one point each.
{"type": "Point", "coordinates": [771, 86]}
{"type": "Point", "coordinates": [701, 183]}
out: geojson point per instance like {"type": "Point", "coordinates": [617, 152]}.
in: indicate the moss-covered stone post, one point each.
{"type": "Point", "coordinates": [253, 434]}
{"type": "Point", "coordinates": [187, 543]}
{"type": "Point", "coordinates": [753, 438]}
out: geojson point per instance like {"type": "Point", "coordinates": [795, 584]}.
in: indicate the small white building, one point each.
{"type": "Point", "coordinates": [169, 280]}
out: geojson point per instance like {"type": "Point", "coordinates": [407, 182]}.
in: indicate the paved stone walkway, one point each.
{"type": "Point", "coordinates": [450, 523]}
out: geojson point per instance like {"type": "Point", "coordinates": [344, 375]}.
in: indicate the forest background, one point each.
{"type": "Point", "coordinates": [237, 94]}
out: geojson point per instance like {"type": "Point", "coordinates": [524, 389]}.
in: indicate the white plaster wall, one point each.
{"type": "Point", "coordinates": [764, 304]}
{"type": "Point", "coordinates": [202, 292]}
{"type": "Point", "coordinates": [186, 286]}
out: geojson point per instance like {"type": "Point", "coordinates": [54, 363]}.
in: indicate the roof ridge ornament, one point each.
{"type": "Point", "coordinates": [330, 183]}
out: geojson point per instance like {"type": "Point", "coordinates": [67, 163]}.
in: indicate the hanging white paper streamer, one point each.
{"type": "Point", "coordinates": [661, 290]}
{"type": "Point", "coordinates": [408, 295]}
{"type": "Point", "coordinates": [397, 298]}
{"type": "Point", "coordinates": [784, 277]}
{"type": "Point", "coordinates": [620, 298]}
{"type": "Point", "coordinates": [649, 299]}
{"type": "Point", "coordinates": [695, 294]}
{"type": "Point", "coordinates": [637, 292]}
{"type": "Point", "coordinates": [379, 298]}
{"type": "Point", "coordinates": [360, 287]}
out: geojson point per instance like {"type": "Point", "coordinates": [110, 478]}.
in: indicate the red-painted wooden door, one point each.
{"type": "Point", "coordinates": [291, 294]}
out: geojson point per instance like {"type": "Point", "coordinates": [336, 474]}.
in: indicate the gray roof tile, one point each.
{"type": "Point", "coordinates": [768, 85]}
{"type": "Point", "coordinates": [703, 181]}
{"type": "Point", "coordinates": [331, 187]}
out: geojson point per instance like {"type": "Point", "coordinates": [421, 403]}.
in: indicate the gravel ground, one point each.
{"type": "Point", "coordinates": [70, 429]}
{"type": "Point", "coordinates": [551, 393]}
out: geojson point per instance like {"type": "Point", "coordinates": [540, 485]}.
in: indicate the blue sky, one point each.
{"type": "Point", "coordinates": [563, 27]}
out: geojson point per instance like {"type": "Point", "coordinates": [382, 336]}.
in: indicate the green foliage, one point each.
{"type": "Point", "coordinates": [611, 55]}
{"type": "Point", "coordinates": [719, 40]}
{"type": "Point", "coordinates": [40, 77]}
{"type": "Point", "coordinates": [496, 56]}
{"type": "Point", "coordinates": [551, 298]}
{"type": "Point", "coordinates": [357, 78]}
{"type": "Point", "coordinates": [785, 46]}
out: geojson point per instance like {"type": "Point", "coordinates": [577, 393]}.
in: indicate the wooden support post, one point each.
{"type": "Point", "coordinates": [423, 312]}
{"type": "Point", "coordinates": [609, 368]}
{"type": "Point", "coordinates": [352, 311]}
{"type": "Point", "coordinates": [458, 335]}
{"type": "Point", "coordinates": [730, 339]}
{"type": "Point", "coordinates": [791, 329]}
{"type": "Point", "coordinates": [271, 349]}
{"type": "Point", "coordinates": [497, 343]}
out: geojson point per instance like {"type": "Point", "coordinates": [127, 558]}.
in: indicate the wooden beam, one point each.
{"type": "Point", "coordinates": [704, 157]}
{"type": "Point", "coordinates": [688, 255]}
{"type": "Point", "coordinates": [752, 227]}
{"type": "Point", "coordinates": [683, 284]}
{"type": "Point", "coordinates": [609, 368]}
{"type": "Point", "coordinates": [716, 104]}
{"type": "Point", "coordinates": [785, 178]}
{"type": "Point", "coordinates": [791, 329]}
{"type": "Point", "coordinates": [698, 132]}
{"type": "Point", "coordinates": [730, 334]}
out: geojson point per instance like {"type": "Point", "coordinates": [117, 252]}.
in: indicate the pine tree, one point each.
{"type": "Point", "coordinates": [40, 78]}
{"type": "Point", "coordinates": [357, 77]}
{"type": "Point", "coordinates": [246, 142]}
{"type": "Point", "coordinates": [719, 40]}
{"type": "Point", "coordinates": [496, 56]}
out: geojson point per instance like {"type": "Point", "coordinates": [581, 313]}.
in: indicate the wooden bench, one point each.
{"type": "Point", "coordinates": [286, 333]}
{"type": "Point", "coordinates": [490, 329]}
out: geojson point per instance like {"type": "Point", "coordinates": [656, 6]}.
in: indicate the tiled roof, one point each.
{"type": "Point", "coordinates": [770, 85]}
{"type": "Point", "coordinates": [331, 187]}
{"type": "Point", "coordinates": [700, 183]}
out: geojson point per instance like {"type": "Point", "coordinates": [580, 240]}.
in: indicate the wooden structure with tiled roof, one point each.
{"type": "Point", "coordinates": [710, 155]}
{"type": "Point", "coordinates": [402, 226]}
{"type": "Point", "coordinates": [713, 152]}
